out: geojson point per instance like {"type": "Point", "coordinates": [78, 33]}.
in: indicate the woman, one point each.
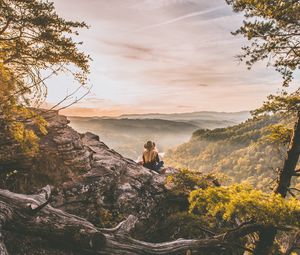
{"type": "Point", "coordinates": [151, 158]}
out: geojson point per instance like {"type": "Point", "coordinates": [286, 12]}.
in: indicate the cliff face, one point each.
{"type": "Point", "coordinates": [88, 179]}
{"type": "Point", "coordinates": [52, 164]}
{"type": "Point", "coordinates": [113, 188]}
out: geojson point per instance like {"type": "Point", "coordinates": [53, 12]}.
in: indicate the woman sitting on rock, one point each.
{"type": "Point", "coordinates": [150, 157]}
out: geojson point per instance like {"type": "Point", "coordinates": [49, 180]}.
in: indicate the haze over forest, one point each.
{"type": "Point", "coordinates": [128, 133]}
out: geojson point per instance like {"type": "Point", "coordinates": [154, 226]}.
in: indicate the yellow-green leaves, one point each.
{"type": "Point", "coordinates": [245, 203]}
{"type": "Point", "coordinates": [279, 134]}
{"type": "Point", "coordinates": [283, 103]}
{"type": "Point", "coordinates": [27, 138]}
{"type": "Point", "coordinates": [35, 43]}
{"type": "Point", "coordinates": [185, 181]}
{"type": "Point", "coordinates": [14, 115]}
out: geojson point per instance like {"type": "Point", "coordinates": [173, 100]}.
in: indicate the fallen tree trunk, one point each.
{"type": "Point", "coordinates": [32, 214]}
{"type": "Point", "coordinates": [3, 250]}
{"type": "Point", "coordinates": [5, 216]}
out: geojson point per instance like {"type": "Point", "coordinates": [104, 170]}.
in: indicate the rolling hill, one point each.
{"type": "Point", "coordinates": [242, 152]}
{"type": "Point", "coordinates": [128, 133]}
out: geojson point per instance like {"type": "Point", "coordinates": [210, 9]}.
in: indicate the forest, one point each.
{"type": "Point", "coordinates": [68, 193]}
{"type": "Point", "coordinates": [249, 152]}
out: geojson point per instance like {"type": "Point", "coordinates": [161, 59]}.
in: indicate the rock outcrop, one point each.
{"type": "Point", "coordinates": [89, 179]}
{"type": "Point", "coordinates": [93, 189]}
{"type": "Point", "coordinates": [113, 188]}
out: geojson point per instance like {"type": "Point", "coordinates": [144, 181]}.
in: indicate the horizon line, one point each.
{"type": "Point", "coordinates": [155, 113]}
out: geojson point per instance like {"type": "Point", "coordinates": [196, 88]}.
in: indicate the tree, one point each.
{"type": "Point", "coordinates": [287, 105]}
{"type": "Point", "coordinates": [35, 44]}
{"type": "Point", "coordinates": [33, 214]}
{"type": "Point", "coordinates": [33, 38]}
{"type": "Point", "coordinates": [11, 110]}
{"type": "Point", "coordinates": [273, 27]}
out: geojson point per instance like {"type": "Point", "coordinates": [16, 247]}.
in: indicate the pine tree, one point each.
{"type": "Point", "coordinates": [273, 27]}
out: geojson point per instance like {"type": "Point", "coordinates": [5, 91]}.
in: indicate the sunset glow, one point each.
{"type": "Point", "coordinates": [162, 56]}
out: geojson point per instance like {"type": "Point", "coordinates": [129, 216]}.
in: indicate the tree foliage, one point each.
{"type": "Point", "coordinates": [250, 151]}
{"type": "Point", "coordinates": [285, 104]}
{"type": "Point", "coordinates": [244, 202]}
{"type": "Point", "coordinates": [33, 38]}
{"type": "Point", "coordinates": [184, 181]}
{"type": "Point", "coordinates": [279, 133]}
{"type": "Point", "coordinates": [11, 113]}
{"type": "Point", "coordinates": [35, 44]}
{"type": "Point", "coordinates": [273, 27]}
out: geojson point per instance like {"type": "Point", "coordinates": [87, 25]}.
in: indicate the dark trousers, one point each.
{"type": "Point", "coordinates": [158, 166]}
{"type": "Point", "coordinates": [155, 166]}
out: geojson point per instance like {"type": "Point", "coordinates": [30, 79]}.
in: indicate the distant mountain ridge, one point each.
{"type": "Point", "coordinates": [200, 115]}
{"type": "Point", "coordinates": [136, 123]}
{"type": "Point", "coordinates": [202, 119]}
{"type": "Point", "coordinates": [128, 133]}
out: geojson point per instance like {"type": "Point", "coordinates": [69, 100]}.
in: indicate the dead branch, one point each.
{"type": "Point", "coordinates": [48, 222]}
{"type": "Point", "coordinates": [75, 101]}
{"type": "Point", "coordinates": [57, 226]}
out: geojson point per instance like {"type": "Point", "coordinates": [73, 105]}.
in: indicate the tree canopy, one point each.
{"type": "Point", "coordinates": [273, 27]}
{"type": "Point", "coordinates": [35, 44]}
{"type": "Point", "coordinates": [245, 203]}
{"type": "Point", "coordinates": [33, 38]}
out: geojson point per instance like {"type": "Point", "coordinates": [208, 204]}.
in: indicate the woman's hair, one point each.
{"type": "Point", "coordinates": [149, 145]}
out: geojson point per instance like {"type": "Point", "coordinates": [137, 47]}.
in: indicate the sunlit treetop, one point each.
{"type": "Point", "coordinates": [283, 103]}
{"type": "Point", "coordinates": [247, 204]}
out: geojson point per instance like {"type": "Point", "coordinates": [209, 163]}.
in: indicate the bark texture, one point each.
{"type": "Point", "coordinates": [32, 214]}
{"type": "Point", "coordinates": [268, 235]}
{"type": "Point", "coordinates": [290, 163]}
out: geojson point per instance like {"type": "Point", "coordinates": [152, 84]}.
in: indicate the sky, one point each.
{"type": "Point", "coordinates": [163, 56]}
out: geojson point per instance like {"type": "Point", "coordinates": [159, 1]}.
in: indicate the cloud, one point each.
{"type": "Point", "coordinates": [162, 55]}
{"type": "Point", "coordinates": [138, 51]}
{"type": "Point", "coordinates": [184, 107]}
{"type": "Point", "coordinates": [93, 100]}
{"type": "Point", "coordinates": [128, 46]}
{"type": "Point", "coordinates": [178, 5]}
{"type": "Point", "coordinates": [90, 112]}
{"type": "Point", "coordinates": [181, 18]}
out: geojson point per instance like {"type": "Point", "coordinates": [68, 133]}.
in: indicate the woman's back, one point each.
{"type": "Point", "coordinates": [150, 156]}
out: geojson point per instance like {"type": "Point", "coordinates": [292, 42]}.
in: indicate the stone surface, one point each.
{"type": "Point", "coordinates": [112, 188]}
{"type": "Point", "coordinates": [89, 179]}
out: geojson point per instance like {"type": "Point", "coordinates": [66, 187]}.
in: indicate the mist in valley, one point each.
{"type": "Point", "coordinates": [127, 134]}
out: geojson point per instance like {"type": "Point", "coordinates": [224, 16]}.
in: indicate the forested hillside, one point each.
{"type": "Point", "coordinates": [244, 152]}
{"type": "Point", "coordinates": [127, 134]}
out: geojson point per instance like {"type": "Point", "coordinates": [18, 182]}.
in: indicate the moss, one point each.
{"type": "Point", "coordinates": [108, 218]}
